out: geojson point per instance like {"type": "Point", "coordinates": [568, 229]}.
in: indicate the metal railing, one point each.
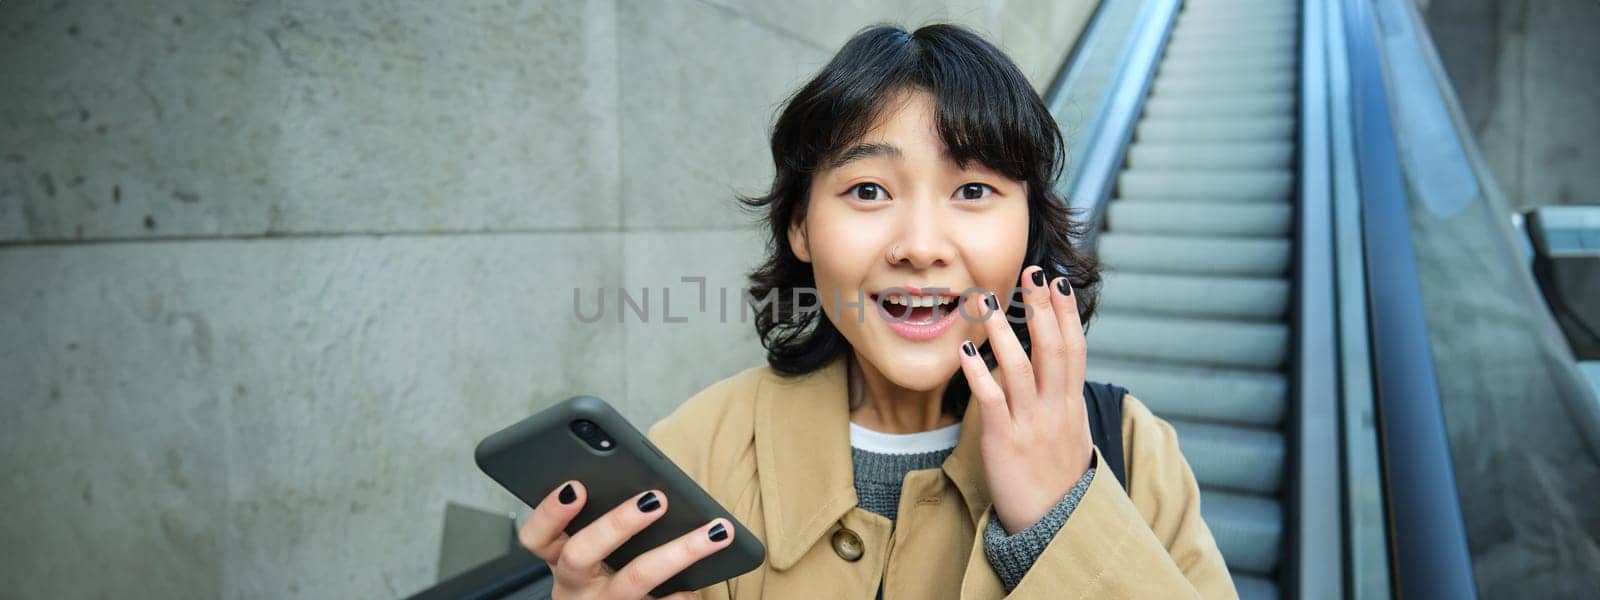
{"type": "Point", "coordinates": [1427, 535]}
{"type": "Point", "coordinates": [1109, 75]}
{"type": "Point", "coordinates": [1366, 550]}
{"type": "Point", "coordinates": [1313, 565]}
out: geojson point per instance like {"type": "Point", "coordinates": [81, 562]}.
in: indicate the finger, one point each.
{"type": "Point", "coordinates": [652, 568]}
{"type": "Point", "coordinates": [544, 533]}
{"type": "Point", "coordinates": [1044, 333]}
{"type": "Point", "coordinates": [1014, 363]}
{"type": "Point", "coordinates": [582, 555]}
{"type": "Point", "coordinates": [1075, 346]}
{"type": "Point", "coordinates": [986, 392]}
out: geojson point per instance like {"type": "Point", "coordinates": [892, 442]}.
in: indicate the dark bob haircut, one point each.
{"type": "Point", "coordinates": [986, 112]}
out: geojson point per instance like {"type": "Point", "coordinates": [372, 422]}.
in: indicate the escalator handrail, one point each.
{"type": "Point", "coordinates": [1314, 566]}
{"type": "Point", "coordinates": [498, 578]}
{"type": "Point", "coordinates": [1088, 185]}
{"type": "Point", "coordinates": [1071, 63]}
{"type": "Point", "coordinates": [1427, 534]}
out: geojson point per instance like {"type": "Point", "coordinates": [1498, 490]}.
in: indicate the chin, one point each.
{"type": "Point", "coordinates": [918, 370]}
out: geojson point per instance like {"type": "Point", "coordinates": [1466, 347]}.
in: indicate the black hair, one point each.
{"type": "Point", "coordinates": [986, 111]}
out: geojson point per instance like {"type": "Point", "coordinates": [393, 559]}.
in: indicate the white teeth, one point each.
{"type": "Point", "coordinates": [914, 301]}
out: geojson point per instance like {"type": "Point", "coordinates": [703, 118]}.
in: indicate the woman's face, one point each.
{"type": "Point", "coordinates": [894, 212]}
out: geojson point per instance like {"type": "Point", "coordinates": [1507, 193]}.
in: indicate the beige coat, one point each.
{"type": "Point", "coordinates": [776, 452]}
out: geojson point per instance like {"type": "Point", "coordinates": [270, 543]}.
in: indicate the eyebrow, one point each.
{"type": "Point", "coordinates": [861, 151]}
{"type": "Point", "coordinates": [871, 149]}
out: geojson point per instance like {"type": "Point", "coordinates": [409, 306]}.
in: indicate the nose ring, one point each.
{"type": "Point", "coordinates": [894, 254]}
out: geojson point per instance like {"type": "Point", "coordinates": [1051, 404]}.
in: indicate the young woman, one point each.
{"type": "Point", "coordinates": [878, 451]}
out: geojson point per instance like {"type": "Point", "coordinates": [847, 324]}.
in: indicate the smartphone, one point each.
{"type": "Point", "coordinates": [583, 438]}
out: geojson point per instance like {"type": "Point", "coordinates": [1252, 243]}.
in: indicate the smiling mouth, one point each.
{"type": "Point", "coordinates": [916, 308]}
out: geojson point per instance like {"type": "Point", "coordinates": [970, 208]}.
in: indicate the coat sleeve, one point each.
{"type": "Point", "coordinates": [1148, 542]}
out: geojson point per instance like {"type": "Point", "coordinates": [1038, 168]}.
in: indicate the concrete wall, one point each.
{"type": "Point", "coordinates": [1528, 76]}
{"type": "Point", "coordinates": [269, 269]}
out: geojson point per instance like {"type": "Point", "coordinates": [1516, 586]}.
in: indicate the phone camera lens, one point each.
{"type": "Point", "coordinates": [585, 429]}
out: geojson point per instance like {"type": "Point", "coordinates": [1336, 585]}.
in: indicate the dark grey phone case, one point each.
{"type": "Point", "coordinates": [541, 452]}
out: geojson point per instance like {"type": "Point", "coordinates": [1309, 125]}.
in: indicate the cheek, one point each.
{"type": "Point", "coordinates": [843, 244]}
{"type": "Point", "coordinates": [995, 246]}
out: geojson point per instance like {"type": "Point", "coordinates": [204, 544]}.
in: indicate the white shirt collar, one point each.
{"type": "Point", "coordinates": [943, 438]}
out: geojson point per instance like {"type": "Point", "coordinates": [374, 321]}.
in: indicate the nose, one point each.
{"type": "Point", "coordinates": [923, 241]}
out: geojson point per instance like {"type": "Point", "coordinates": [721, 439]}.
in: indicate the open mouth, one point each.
{"type": "Point", "coordinates": [918, 309]}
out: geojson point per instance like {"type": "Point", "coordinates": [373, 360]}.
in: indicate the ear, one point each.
{"type": "Point", "coordinates": [799, 242]}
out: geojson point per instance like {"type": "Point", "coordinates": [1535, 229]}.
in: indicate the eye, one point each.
{"type": "Point", "coordinates": [868, 191]}
{"type": "Point", "coordinates": [975, 191]}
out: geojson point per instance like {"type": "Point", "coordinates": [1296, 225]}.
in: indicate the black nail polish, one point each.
{"type": "Point", "coordinates": [990, 302]}
{"type": "Point", "coordinates": [1038, 278]}
{"type": "Point", "coordinates": [968, 349]}
{"type": "Point", "coordinates": [649, 502]}
{"type": "Point", "coordinates": [1064, 287]}
{"type": "Point", "coordinates": [568, 495]}
{"type": "Point", "coordinates": [718, 533]}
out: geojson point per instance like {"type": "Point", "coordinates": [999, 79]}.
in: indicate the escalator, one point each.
{"type": "Point", "coordinates": [1247, 196]}
{"type": "Point", "coordinates": [1246, 189]}
{"type": "Point", "coordinates": [1198, 244]}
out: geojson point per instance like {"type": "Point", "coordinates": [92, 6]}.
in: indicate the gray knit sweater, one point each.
{"type": "Point", "coordinates": [878, 479]}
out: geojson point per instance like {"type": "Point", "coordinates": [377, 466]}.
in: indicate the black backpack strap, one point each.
{"type": "Point", "coordinates": [1104, 404]}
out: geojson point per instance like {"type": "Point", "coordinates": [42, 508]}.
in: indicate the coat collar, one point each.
{"type": "Point", "coordinates": [802, 436]}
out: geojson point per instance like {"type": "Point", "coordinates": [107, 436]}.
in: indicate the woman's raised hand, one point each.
{"type": "Point", "coordinates": [577, 561]}
{"type": "Point", "coordinates": [1036, 442]}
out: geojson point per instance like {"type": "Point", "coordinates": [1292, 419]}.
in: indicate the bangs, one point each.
{"type": "Point", "coordinates": [985, 110]}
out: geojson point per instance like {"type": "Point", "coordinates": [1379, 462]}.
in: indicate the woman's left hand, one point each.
{"type": "Point", "coordinates": [1035, 441]}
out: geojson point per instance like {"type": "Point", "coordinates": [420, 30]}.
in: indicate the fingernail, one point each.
{"type": "Point", "coordinates": [1038, 278]}
{"type": "Point", "coordinates": [990, 302]}
{"type": "Point", "coordinates": [968, 349]}
{"type": "Point", "coordinates": [649, 502]}
{"type": "Point", "coordinates": [568, 495]}
{"type": "Point", "coordinates": [718, 533]}
{"type": "Point", "coordinates": [1063, 287]}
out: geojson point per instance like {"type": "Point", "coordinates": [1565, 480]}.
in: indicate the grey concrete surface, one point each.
{"type": "Point", "coordinates": [185, 117]}
{"type": "Point", "coordinates": [695, 115]}
{"type": "Point", "coordinates": [263, 419]}
{"type": "Point", "coordinates": [1528, 76]}
{"type": "Point", "coordinates": [682, 349]}
{"type": "Point", "coordinates": [268, 270]}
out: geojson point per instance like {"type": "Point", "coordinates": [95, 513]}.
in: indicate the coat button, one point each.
{"type": "Point", "coordinates": [847, 545]}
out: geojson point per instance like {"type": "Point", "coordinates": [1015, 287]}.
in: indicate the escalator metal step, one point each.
{"type": "Point", "coordinates": [1279, 104]}
{"type": "Point", "coordinates": [1214, 129]}
{"type": "Point", "coordinates": [1284, 25]}
{"type": "Point", "coordinates": [1243, 185]}
{"type": "Point", "coordinates": [1238, 6]}
{"type": "Point", "coordinates": [1195, 256]}
{"type": "Point", "coordinates": [1257, 62]}
{"type": "Point", "coordinates": [1233, 458]}
{"type": "Point", "coordinates": [1269, 21]}
{"type": "Point", "coordinates": [1233, 53]}
{"type": "Point", "coordinates": [1197, 16]}
{"type": "Point", "coordinates": [1212, 342]}
{"type": "Point", "coordinates": [1224, 83]}
{"type": "Point", "coordinates": [1202, 219]}
{"type": "Point", "coordinates": [1199, 394]}
{"type": "Point", "coordinates": [1220, 44]}
{"type": "Point", "coordinates": [1234, 156]}
{"type": "Point", "coordinates": [1247, 528]}
{"type": "Point", "coordinates": [1254, 298]}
